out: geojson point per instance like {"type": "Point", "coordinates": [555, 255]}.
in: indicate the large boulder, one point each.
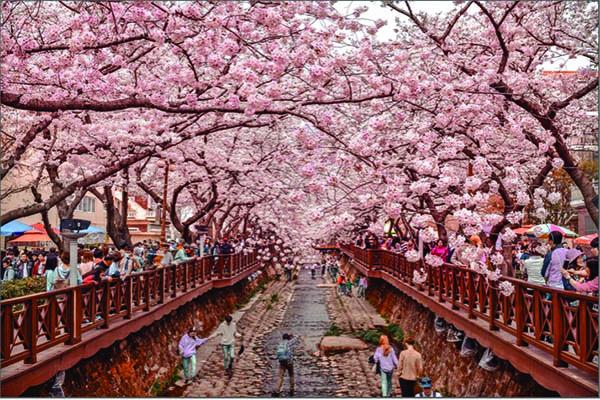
{"type": "Point", "coordinates": [340, 344]}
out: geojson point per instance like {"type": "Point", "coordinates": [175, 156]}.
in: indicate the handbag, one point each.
{"type": "Point", "coordinates": [60, 284]}
{"type": "Point", "coordinates": [377, 368]}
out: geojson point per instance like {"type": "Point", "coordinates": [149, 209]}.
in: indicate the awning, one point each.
{"type": "Point", "coordinates": [32, 237]}
{"type": "Point", "coordinates": [14, 227]}
{"type": "Point", "coordinates": [39, 228]}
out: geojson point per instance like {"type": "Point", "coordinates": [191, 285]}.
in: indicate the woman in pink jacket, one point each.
{"type": "Point", "coordinates": [440, 250]}
{"type": "Point", "coordinates": [591, 285]}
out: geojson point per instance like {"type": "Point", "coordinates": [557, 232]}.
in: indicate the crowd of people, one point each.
{"type": "Point", "coordinates": [106, 262]}
{"type": "Point", "coordinates": [551, 261]}
{"type": "Point", "coordinates": [558, 265]}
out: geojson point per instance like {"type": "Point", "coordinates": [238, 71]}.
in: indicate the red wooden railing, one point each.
{"type": "Point", "coordinates": [34, 323]}
{"type": "Point", "coordinates": [561, 323]}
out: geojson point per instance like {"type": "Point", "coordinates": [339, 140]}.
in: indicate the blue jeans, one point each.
{"type": "Point", "coordinates": [189, 367]}
{"type": "Point", "coordinates": [386, 383]}
{"type": "Point", "coordinates": [228, 355]}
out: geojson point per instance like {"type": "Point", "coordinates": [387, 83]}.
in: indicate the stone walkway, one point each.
{"type": "Point", "coordinates": [307, 308]}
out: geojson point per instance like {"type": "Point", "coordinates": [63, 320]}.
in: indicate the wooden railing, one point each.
{"type": "Point", "coordinates": [561, 323]}
{"type": "Point", "coordinates": [34, 323]}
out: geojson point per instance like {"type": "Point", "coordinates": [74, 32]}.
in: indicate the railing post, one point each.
{"type": "Point", "coordinates": [537, 314]}
{"type": "Point", "coordinates": [31, 331]}
{"type": "Point", "coordinates": [453, 288]}
{"type": "Point", "coordinates": [92, 303]}
{"type": "Point", "coordinates": [441, 283]}
{"type": "Point", "coordinates": [174, 280]}
{"type": "Point", "coordinates": [583, 331]}
{"type": "Point", "coordinates": [520, 314]}
{"type": "Point", "coordinates": [106, 303]}
{"type": "Point", "coordinates": [194, 273]}
{"type": "Point", "coordinates": [557, 331]}
{"type": "Point", "coordinates": [430, 278]}
{"type": "Point", "coordinates": [7, 331]}
{"type": "Point", "coordinates": [74, 302]}
{"type": "Point", "coordinates": [185, 276]}
{"type": "Point", "coordinates": [128, 296]}
{"type": "Point", "coordinates": [147, 282]}
{"type": "Point", "coordinates": [118, 296]}
{"type": "Point", "coordinates": [471, 292]}
{"type": "Point", "coordinates": [161, 287]}
{"type": "Point", "coordinates": [481, 294]}
{"type": "Point", "coordinates": [52, 318]}
{"type": "Point", "coordinates": [492, 302]}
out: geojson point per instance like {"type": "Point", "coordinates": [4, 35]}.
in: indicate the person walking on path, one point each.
{"type": "Point", "coordinates": [428, 391]}
{"type": "Point", "coordinates": [349, 286]}
{"type": "Point", "coordinates": [363, 284]}
{"type": "Point", "coordinates": [411, 367]}
{"type": "Point", "coordinates": [187, 348]}
{"type": "Point", "coordinates": [385, 356]}
{"type": "Point", "coordinates": [285, 356]}
{"type": "Point", "coordinates": [341, 284]}
{"type": "Point", "coordinates": [228, 331]}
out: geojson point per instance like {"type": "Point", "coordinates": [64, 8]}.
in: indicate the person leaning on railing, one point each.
{"type": "Point", "coordinates": [589, 286]}
{"type": "Point", "coordinates": [59, 278]}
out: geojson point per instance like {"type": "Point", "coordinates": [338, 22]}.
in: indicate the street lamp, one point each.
{"type": "Point", "coordinates": [168, 166]}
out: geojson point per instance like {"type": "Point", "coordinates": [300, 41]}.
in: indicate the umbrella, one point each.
{"type": "Point", "coordinates": [14, 227]}
{"type": "Point", "coordinates": [586, 240]}
{"type": "Point", "coordinates": [543, 231]}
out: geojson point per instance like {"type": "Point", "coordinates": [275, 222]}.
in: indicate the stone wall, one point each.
{"type": "Point", "coordinates": [453, 374]}
{"type": "Point", "coordinates": [145, 362]}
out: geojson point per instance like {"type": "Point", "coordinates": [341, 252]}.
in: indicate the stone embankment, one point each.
{"type": "Point", "coordinates": [147, 362]}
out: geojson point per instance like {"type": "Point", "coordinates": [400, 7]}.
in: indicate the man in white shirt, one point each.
{"type": "Point", "coordinates": [228, 330]}
{"type": "Point", "coordinates": [167, 256]}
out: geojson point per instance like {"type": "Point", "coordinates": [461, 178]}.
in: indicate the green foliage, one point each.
{"type": "Point", "coordinates": [274, 298]}
{"type": "Point", "coordinates": [395, 332]}
{"type": "Point", "coordinates": [371, 336]}
{"type": "Point", "coordinates": [156, 388]}
{"type": "Point", "coordinates": [333, 330]}
{"type": "Point", "coordinates": [22, 287]}
{"type": "Point", "coordinates": [159, 386]}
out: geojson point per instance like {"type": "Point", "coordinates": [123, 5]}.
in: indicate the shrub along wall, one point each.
{"type": "Point", "coordinates": [22, 287]}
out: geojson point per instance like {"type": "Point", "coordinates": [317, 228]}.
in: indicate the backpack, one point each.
{"type": "Point", "coordinates": [283, 352]}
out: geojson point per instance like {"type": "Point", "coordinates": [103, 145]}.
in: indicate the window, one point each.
{"type": "Point", "coordinates": [131, 214]}
{"type": "Point", "coordinates": [87, 204]}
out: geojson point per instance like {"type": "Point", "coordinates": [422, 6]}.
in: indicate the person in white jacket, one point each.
{"type": "Point", "coordinates": [228, 331]}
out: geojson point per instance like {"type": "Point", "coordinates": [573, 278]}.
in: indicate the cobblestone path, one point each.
{"type": "Point", "coordinates": [307, 308]}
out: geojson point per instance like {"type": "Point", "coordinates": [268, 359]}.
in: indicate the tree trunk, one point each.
{"type": "Point", "coordinates": [116, 223]}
